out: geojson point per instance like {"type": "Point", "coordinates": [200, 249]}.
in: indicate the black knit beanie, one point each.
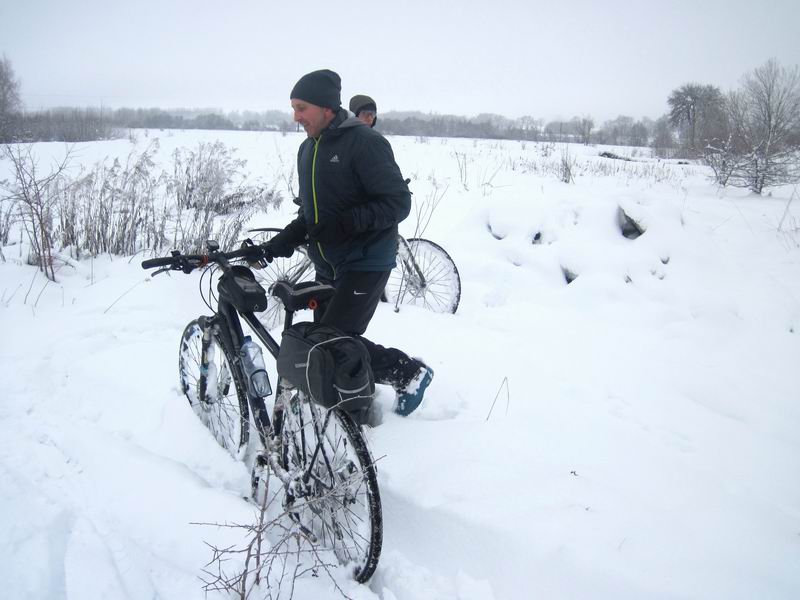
{"type": "Point", "coordinates": [322, 88]}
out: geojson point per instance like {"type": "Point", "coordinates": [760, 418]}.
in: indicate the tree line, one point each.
{"type": "Point", "coordinates": [88, 124]}
{"type": "Point", "coordinates": [749, 137]}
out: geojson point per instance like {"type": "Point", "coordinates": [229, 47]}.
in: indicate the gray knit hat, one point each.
{"type": "Point", "coordinates": [361, 102]}
{"type": "Point", "coordinates": [322, 88]}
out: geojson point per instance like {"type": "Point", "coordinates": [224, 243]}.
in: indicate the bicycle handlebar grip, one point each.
{"type": "Point", "coordinates": [164, 261]}
{"type": "Point", "coordinates": [255, 252]}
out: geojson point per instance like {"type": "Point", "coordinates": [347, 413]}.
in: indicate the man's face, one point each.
{"type": "Point", "coordinates": [313, 118]}
{"type": "Point", "coordinates": [367, 116]}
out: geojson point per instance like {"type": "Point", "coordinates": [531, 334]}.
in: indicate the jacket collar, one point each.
{"type": "Point", "coordinates": [341, 122]}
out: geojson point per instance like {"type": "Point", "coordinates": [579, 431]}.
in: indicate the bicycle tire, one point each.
{"type": "Point", "coordinates": [225, 417]}
{"type": "Point", "coordinates": [343, 512]}
{"type": "Point", "coordinates": [441, 291]}
{"type": "Point", "coordinates": [294, 269]}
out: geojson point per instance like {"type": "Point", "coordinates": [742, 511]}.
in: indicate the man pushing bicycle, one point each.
{"type": "Point", "coordinates": [352, 197]}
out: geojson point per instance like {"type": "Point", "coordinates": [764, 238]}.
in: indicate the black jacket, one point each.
{"type": "Point", "coordinates": [351, 168]}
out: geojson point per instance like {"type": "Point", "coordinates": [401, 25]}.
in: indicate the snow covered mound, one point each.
{"type": "Point", "coordinates": [614, 413]}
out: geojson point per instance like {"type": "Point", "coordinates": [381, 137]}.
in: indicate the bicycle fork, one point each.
{"type": "Point", "coordinates": [411, 275]}
{"type": "Point", "coordinates": [206, 357]}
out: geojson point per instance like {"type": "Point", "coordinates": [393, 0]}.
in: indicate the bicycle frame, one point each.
{"type": "Point", "coordinates": [227, 323]}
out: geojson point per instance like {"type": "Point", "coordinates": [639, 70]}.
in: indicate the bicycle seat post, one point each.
{"type": "Point", "coordinates": [287, 321]}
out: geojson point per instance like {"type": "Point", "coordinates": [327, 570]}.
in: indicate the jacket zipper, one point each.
{"type": "Point", "coordinates": [314, 196]}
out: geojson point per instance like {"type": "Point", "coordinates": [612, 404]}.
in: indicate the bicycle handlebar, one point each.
{"type": "Point", "coordinates": [158, 262]}
{"type": "Point", "coordinates": [189, 262]}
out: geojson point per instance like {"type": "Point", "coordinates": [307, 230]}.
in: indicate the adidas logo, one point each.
{"type": "Point", "coordinates": [335, 158]}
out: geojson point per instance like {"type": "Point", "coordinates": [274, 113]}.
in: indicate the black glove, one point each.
{"type": "Point", "coordinates": [272, 249]}
{"type": "Point", "coordinates": [334, 230]}
{"type": "Point", "coordinates": [284, 243]}
{"type": "Point", "coordinates": [257, 254]}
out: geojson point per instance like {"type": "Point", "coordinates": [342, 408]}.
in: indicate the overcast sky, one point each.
{"type": "Point", "coordinates": [551, 59]}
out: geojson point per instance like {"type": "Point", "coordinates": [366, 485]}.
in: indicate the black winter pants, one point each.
{"type": "Point", "coordinates": [351, 309]}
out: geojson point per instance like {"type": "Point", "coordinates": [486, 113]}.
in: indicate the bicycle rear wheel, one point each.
{"type": "Point", "coordinates": [293, 270]}
{"type": "Point", "coordinates": [215, 390]}
{"type": "Point", "coordinates": [341, 508]}
{"type": "Point", "coordinates": [427, 278]}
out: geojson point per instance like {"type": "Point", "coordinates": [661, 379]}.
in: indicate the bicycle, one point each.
{"type": "Point", "coordinates": [425, 275]}
{"type": "Point", "coordinates": [330, 489]}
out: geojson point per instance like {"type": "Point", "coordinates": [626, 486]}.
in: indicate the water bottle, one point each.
{"type": "Point", "coordinates": [254, 370]}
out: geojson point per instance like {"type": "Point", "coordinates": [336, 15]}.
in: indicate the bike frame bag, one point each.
{"type": "Point", "coordinates": [240, 288]}
{"type": "Point", "coordinates": [328, 365]}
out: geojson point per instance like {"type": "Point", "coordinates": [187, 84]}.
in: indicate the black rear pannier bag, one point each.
{"type": "Point", "coordinates": [240, 288]}
{"type": "Point", "coordinates": [328, 365]}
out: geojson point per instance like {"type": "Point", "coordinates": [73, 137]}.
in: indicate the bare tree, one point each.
{"type": "Point", "coordinates": [10, 102]}
{"type": "Point", "coordinates": [764, 120]}
{"type": "Point", "coordinates": [585, 126]}
{"type": "Point", "coordinates": [616, 131]}
{"type": "Point", "coordinates": [639, 134]}
{"type": "Point", "coordinates": [695, 109]}
{"type": "Point", "coordinates": [663, 139]}
{"type": "Point", "coordinates": [530, 126]}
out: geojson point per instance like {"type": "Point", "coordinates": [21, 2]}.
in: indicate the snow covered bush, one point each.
{"type": "Point", "coordinates": [112, 208]}
{"type": "Point", "coordinates": [212, 197]}
{"type": "Point", "coordinates": [33, 195]}
{"type": "Point", "coordinates": [210, 177]}
{"type": "Point", "coordinates": [133, 204]}
{"type": "Point", "coordinates": [566, 166]}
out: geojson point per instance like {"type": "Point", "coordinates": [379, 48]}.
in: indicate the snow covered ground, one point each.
{"type": "Point", "coordinates": [646, 444]}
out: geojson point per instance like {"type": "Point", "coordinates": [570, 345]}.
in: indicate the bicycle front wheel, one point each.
{"type": "Point", "coordinates": [214, 387]}
{"type": "Point", "coordinates": [293, 270]}
{"type": "Point", "coordinates": [425, 276]}
{"type": "Point", "coordinates": [340, 510]}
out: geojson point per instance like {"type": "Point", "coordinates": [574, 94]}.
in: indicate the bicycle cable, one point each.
{"type": "Point", "coordinates": [206, 299]}
{"type": "Point", "coordinates": [212, 294]}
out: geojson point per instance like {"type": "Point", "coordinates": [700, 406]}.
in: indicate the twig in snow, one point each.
{"type": "Point", "coordinates": [5, 302]}
{"type": "Point", "coordinates": [786, 211]}
{"type": "Point", "coordinates": [129, 290]}
{"type": "Point", "coordinates": [41, 292]}
{"type": "Point", "coordinates": [35, 273]}
{"type": "Point", "coordinates": [508, 397]}
{"type": "Point", "coordinates": [275, 554]}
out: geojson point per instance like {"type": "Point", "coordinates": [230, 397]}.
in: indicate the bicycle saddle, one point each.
{"type": "Point", "coordinates": [307, 294]}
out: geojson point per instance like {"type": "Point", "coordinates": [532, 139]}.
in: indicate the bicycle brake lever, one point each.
{"type": "Point", "coordinates": [161, 270]}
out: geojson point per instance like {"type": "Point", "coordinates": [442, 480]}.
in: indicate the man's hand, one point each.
{"type": "Point", "coordinates": [275, 248]}
{"type": "Point", "coordinates": [257, 254]}
{"type": "Point", "coordinates": [334, 230]}
{"type": "Point", "coordinates": [284, 242]}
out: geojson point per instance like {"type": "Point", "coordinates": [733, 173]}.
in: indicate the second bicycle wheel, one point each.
{"type": "Point", "coordinates": [294, 269]}
{"type": "Point", "coordinates": [340, 510]}
{"type": "Point", "coordinates": [426, 277]}
{"type": "Point", "coordinates": [215, 392]}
